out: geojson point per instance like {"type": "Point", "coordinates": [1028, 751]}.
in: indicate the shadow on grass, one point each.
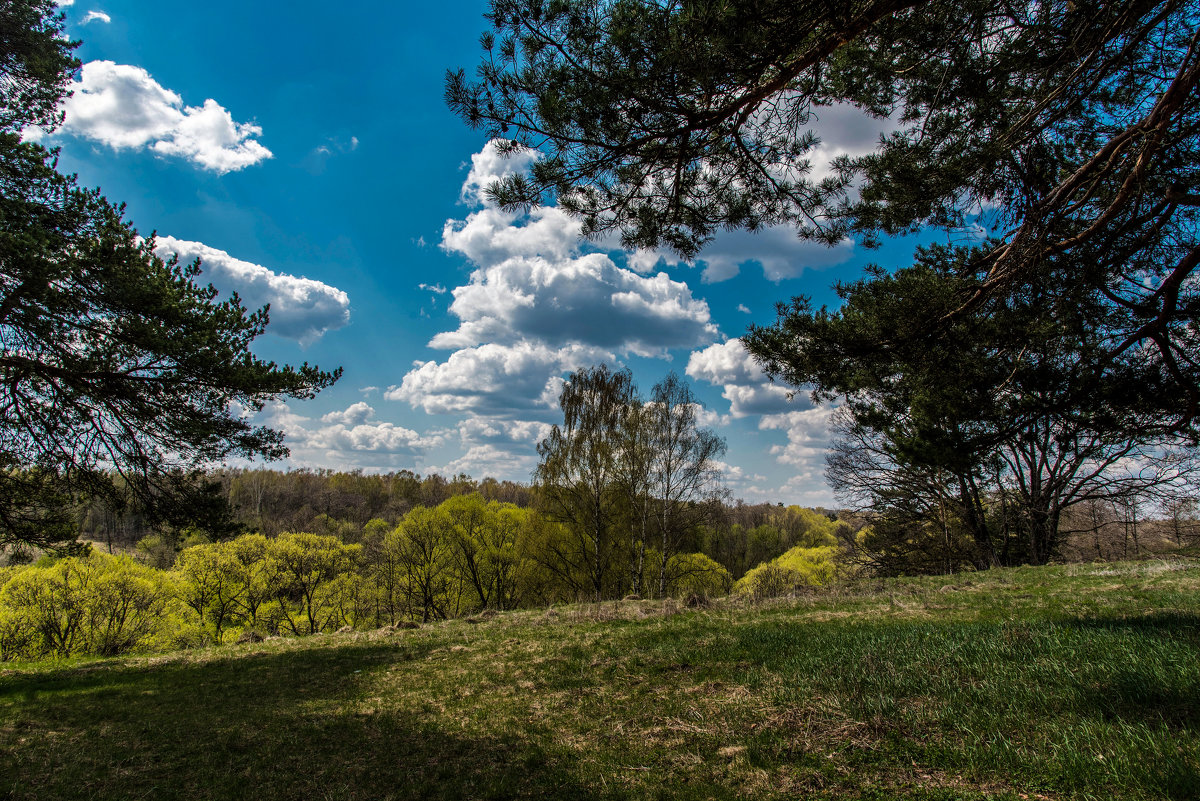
{"type": "Point", "coordinates": [1179, 625]}
{"type": "Point", "coordinates": [287, 725]}
{"type": "Point", "coordinates": [1149, 693]}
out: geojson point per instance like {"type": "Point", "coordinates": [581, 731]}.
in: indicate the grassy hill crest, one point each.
{"type": "Point", "coordinates": [1071, 681]}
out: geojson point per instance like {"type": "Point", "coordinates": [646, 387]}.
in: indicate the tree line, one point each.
{"type": "Point", "coordinates": [466, 556]}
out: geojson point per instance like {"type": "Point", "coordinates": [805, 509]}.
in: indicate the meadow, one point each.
{"type": "Point", "coordinates": [1059, 682]}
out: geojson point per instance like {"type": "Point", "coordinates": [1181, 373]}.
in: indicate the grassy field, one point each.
{"type": "Point", "coordinates": [1060, 682]}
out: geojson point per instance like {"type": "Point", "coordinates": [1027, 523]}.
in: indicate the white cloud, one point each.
{"type": "Point", "coordinates": [504, 449]}
{"type": "Point", "coordinates": [122, 106]}
{"type": "Point", "coordinates": [777, 250]}
{"type": "Point", "coordinates": [808, 433]}
{"type": "Point", "coordinates": [539, 304]}
{"type": "Point", "coordinates": [586, 300]}
{"type": "Point", "coordinates": [494, 379]}
{"type": "Point", "coordinates": [806, 427]}
{"type": "Point", "coordinates": [707, 418]}
{"type": "Point", "coordinates": [743, 308]}
{"type": "Point", "coordinates": [93, 16]}
{"type": "Point", "coordinates": [351, 438]}
{"type": "Point", "coordinates": [301, 308]}
{"type": "Point", "coordinates": [490, 460]}
{"type": "Point", "coordinates": [537, 307]}
{"type": "Point", "coordinates": [335, 144]}
{"type": "Point", "coordinates": [730, 366]}
{"type": "Point", "coordinates": [436, 289]}
{"type": "Point", "coordinates": [354, 415]}
{"type": "Point", "coordinates": [533, 283]}
{"type": "Point", "coordinates": [488, 166]}
{"type": "Point", "coordinates": [491, 236]}
{"type": "Point", "coordinates": [844, 130]}
{"type": "Point", "coordinates": [725, 363]}
{"type": "Point", "coordinates": [479, 430]}
{"type": "Point", "coordinates": [808, 440]}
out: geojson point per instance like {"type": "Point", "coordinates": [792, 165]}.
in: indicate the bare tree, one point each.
{"type": "Point", "coordinates": [685, 474]}
{"type": "Point", "coordinates": [580, 467]}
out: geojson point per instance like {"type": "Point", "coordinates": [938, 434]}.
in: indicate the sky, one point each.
{"type": "Point", "coordinates": [304, 153]}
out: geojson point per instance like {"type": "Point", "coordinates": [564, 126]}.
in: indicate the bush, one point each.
{"type": "Point", "coordinates": [691, 574]}
{"type": "Point", "coordinates": [797, 568]}
{"type": "Point", "coordinates": [98, 604]}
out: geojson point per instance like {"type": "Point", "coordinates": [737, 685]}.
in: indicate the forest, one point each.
{"type": "Point", "coordinates": [399, 550]}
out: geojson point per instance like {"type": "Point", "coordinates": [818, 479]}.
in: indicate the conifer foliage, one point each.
{"type": "Point", "coordinates": [111, 359]}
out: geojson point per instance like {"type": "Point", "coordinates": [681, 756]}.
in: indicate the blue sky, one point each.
{"type": "Point", "coordinates": [307, 157]}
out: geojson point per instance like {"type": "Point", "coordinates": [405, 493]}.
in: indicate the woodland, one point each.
{"type": "Point", "coordinates": [1027, 396]}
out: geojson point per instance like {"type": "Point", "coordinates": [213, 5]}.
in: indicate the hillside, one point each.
{"type": "Point", "coordinates": [1058, 682]}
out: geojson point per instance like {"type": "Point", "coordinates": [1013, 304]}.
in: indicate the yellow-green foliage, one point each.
{"type": "Point", "coordinates": [97, 604]}
{"type": "Point", "coordinates": [296, 583]}
{"type": "Point", "coordinates": [465, 555]}
{"type": "Point", "coordinates": [696, 574]}
{"type": "Point", "coordinates": [806, 527]}
{"type": "Point", "coordinates": [212, 583]}
{"type": "Point", "coordinates": [798, 567]}
{"type": "Point", "coordinates": [306, 565]}
{"type": "Point", "coordinates": [420, 554]}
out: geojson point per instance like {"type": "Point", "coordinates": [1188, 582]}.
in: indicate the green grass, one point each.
{"type": "Point", "coordinates": [1059, 682]}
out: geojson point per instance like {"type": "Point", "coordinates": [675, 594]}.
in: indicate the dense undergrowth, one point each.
{"type": "Point", "coordinates": [1054, 682]}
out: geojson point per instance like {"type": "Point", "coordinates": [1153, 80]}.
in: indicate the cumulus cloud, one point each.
{"type": "Point", "coordinates": [489, 166]}
{"type": "Point", "coordinates": [123, 107]}
{"type": "Point", "coordinates": [494, 379]}
{"type": "Point", "coordinates": [533, 283]}
{"type": "Point", "coordinates": [808, 440]}
{"type": "Point", "coordinates": [806, 427]}
{"type": "Point", "coordinates": [504, 449]}
{"type": "Point", "coordinates": [95, 16]}
{"type": "Point", "coordinates": [777, 250]}
{"type": "Point", "coordinates": [301, 308]}
{"type": "Point", "coordinates": [843, 130]}
{"type": "Point", "coordinates": [537, 306]}
{"type": "Point", "coordinates": [489, 460]}
{"type": "Point", "coordinates": [808, 436]}
{"type": "Point", "coordinates": [730, 366]}
{"type": "Point", "coordinates": [348, 438]}
{"type": "Point", "coordinates": [582, 299]}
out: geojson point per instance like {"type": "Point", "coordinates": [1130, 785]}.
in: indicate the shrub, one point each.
{"type": "Point", "coordinates": [691, 574]}
{"type": "Point", "coordinates": [98, 604]}
{"type": "Point", "coordinates": [796, 568]}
